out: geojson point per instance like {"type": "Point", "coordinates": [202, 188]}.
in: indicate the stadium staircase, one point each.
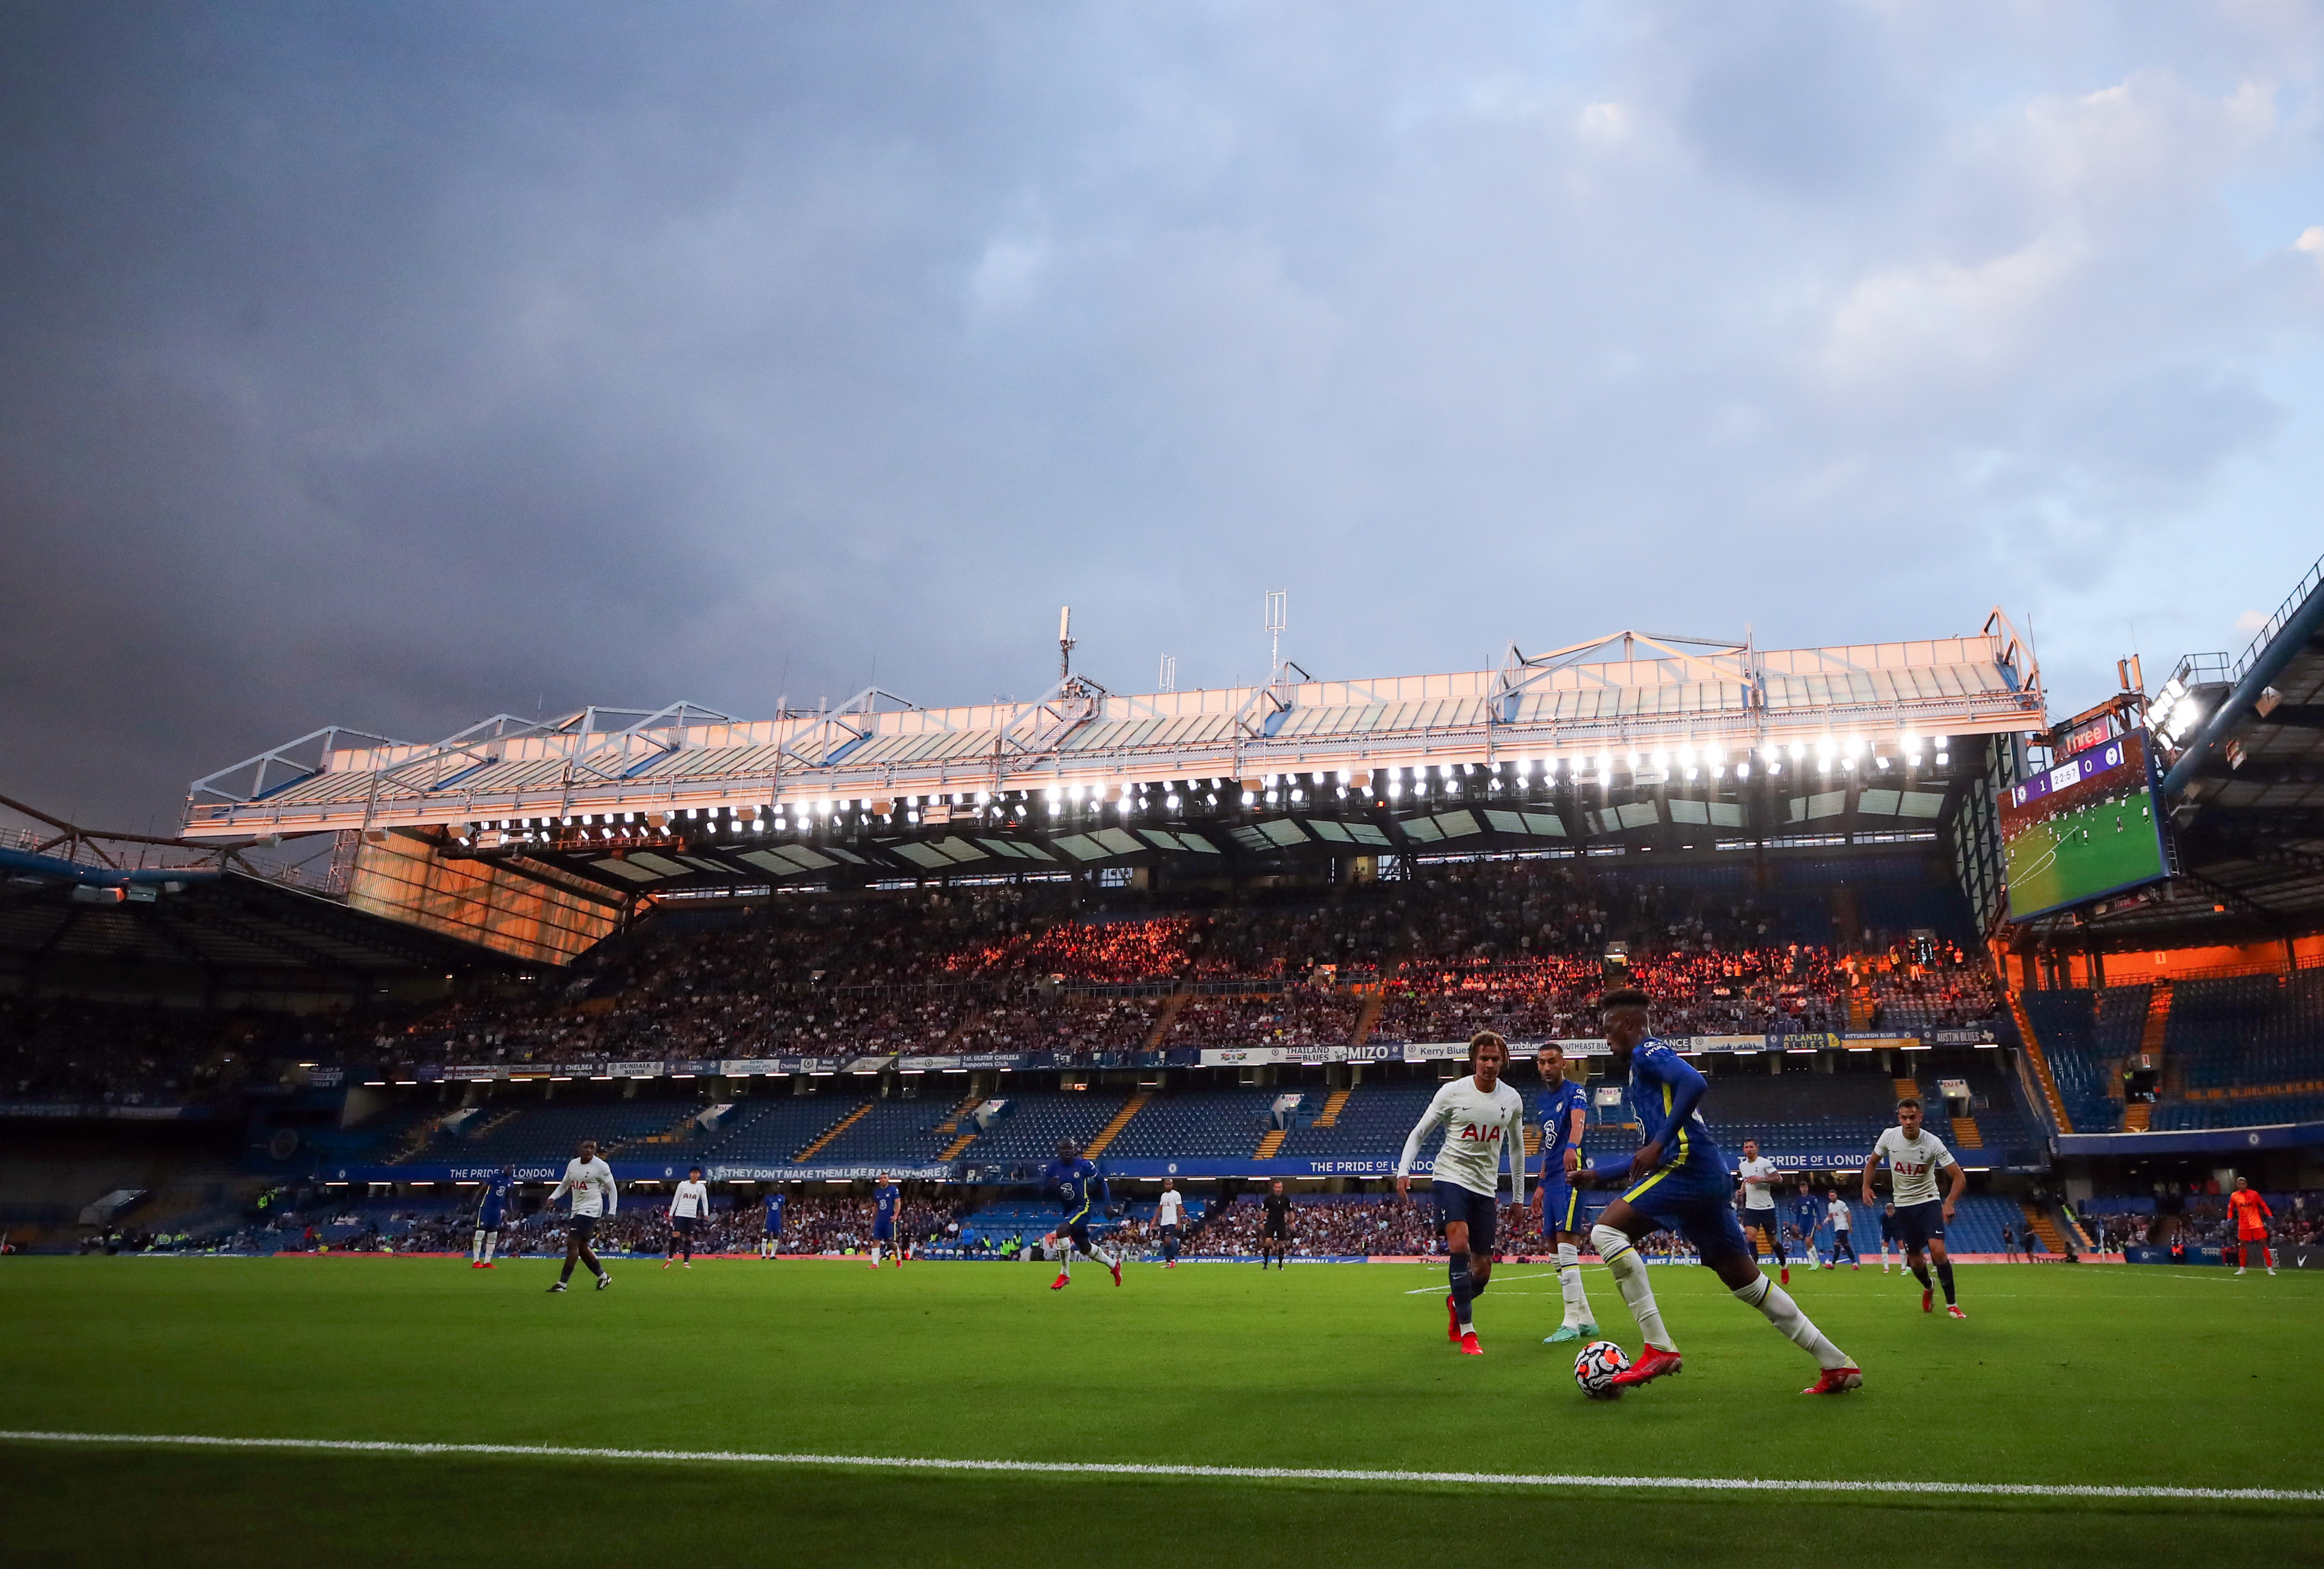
{"type": "Point", "coordinates": [1907, 1087]}
{"type": "Point", "coordinates": [2137, 1116]}
{"type": "Point", "coordinates": [2045, 1227]}
{"type": "Point", "coordinates": [1373, 1006]}
{"type": "Point", "coordinates": [1329, 1117]}
{"type": "Point", "coordinates": [1107, 1134]}
{"type": "Point", "coordinates": [834, 1130]}
{"type": "Point", "coordinates": [951, 1125]}
{"type": "Point", "coordinates": [1172, 1006]}
{"type": "Point", "coordinates": [677, 1133]}
{"type": "Point", "coordinates": [2042, 1075]}
{"type": "Point", "coordinates": [1859, 1008]}
{"type": "Point", "coordinates": [1269, 1143]}
{"type": "Point", "coordinates": [1967, 1134]}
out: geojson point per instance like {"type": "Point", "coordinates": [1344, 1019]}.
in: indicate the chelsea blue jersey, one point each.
{"type": "Point", "coordinates": [885, 1201]}
{"type": "Point", "coordinates": [497, 1188]}
{"type": "Point", "coordinates": [774, 1211]}
{"type": "Point", "coordinates": [1664, 1089]}
{"type": "Point", "coordinates": [1555, 1108]}
{"type": "Point", "coordinates": [1075, 1184]}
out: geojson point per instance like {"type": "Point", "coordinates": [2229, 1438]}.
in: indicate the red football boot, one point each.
{"type": "Point", "coordinates": [1927, 1297]}
{"type": "Point", "coordinates": [1952, 1310]}
{"type": "Point", "coordinates": [1652, 1365]}
{"type": "Point", "coordinates": [1452, 1320]}
{"type": "Point", "coordinates": [1060, 1282]}
{"type": "Point", "coordinates": [1788, 1276]}
{"type": "Point", "coordinates": [1469, 1346]}
{"type": "Point", "coordinates": [1836, 1381]}
{"type": "Point", "coordinates": [1116, 1267]}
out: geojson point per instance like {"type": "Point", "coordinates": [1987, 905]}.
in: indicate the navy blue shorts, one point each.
{"type": "Point", "coordinates": [773, 1231]}
{"type": "Point", "coordinates": [1560, 1206]}
{"type": "Point", "coordinates": [1077, 1230]}
{"type": "Point", "coordinates": [1919, 1224]}
{"type": "Point", "coordinates": [883, 1231]}
{"type": "Point", "coordinates": [1700, 1207]}
{"type": "Point", "coordinates": [685, 1226]}
{"type": "Point", "coordinates": [489, 1221]}
{"type": "Point", "coordinates": [581, 1228]}
{"type": "Point", "coordinates": [1480, 1211]}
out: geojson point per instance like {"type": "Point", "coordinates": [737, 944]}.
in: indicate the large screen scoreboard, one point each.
{"type": "Point", "coordinates": [2085, 829]}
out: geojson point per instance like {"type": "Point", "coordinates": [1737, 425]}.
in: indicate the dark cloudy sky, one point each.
{"type": "Point", "coordinates": [391, 366]}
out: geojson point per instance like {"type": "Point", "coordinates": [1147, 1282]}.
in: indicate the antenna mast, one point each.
{"type": "Point", "coordinates": [1279, 602]}
{"type": "Point", "coordinates": [1065, 643]}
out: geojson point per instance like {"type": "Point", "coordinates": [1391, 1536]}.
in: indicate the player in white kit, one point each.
{"type": "Point", "coordinates": [1914, 1157]}
{"type": "Point", "coordinates": [1169, 1215]}
{"type": "Point", "coordinates": [689, 1211]}
{"type": "Point", "coordinates": [1483, 1121]}
{"type": "Point", "coordinates": [1757, 1177]}
{"type": "Point", "coordinates": [590, 1181]}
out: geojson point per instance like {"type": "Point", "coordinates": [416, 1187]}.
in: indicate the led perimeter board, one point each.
{"type": "Point", "coordinates": [2086, 828]}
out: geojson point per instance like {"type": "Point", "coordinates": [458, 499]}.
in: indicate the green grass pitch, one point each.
{"type": "Point", "coordinates": [2142, 1376]}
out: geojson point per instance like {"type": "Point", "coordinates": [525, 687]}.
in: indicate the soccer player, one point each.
{"type": "Point", "coordinates": [1914, 1157]}
{"type": "Point", "coordinates": [1679, 1181]}
{"type": "Point", "coordinates": [1563, 1108]}
{"type": "Point", "coordinates": [1843, 1221]}
{"type": "Point", "coordinates": [1888, 1234]}
{"type": "Point", "coordinates": [1483, 1120]}
{"type": "Point", "coordinates": [1275, 1226]}
{"type": "Point", "coordinates": [689, 1211]}
{"type": "Point", "coordinates": [1807, 1219]}
{"type": "Point", "coordinates": [590, 1181]}
{"type": "Point", "coordinates": [2251, 1214]}
{"type": "Point", "coordinates": [884, 1200]}
{"type": "Point", "coordinates": [492, 1213]}
{"type": "Point", "coordinates": [1757, 1177]}
{"type": "Point", "coordinates": [1079, 1186]}
{"type": "Point", "coordinates": [1169, 1216]}
{"type": "Point", "coordinates": [771, 1238]}
{"type": "Point", "coordinates": [2008, 1245]}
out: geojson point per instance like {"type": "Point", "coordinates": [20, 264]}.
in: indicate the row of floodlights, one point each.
{"type": "Point", "coordinates": [2174, 714]}
{"type": "Point", "coordinates": [1689, 761]}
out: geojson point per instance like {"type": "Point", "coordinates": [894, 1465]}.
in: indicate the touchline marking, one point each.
{"type": "Point", "coordinates": [1220, 1472]}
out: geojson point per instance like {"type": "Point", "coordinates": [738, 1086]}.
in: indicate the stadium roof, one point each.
{"type": "Point", "coordinates": [1631, 706]}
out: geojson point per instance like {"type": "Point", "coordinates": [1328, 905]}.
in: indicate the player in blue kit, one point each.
{"type": "Point", "coordinates": [884, 1200]}
{"type": "Point", "coordinates": [1807, 1220]}
{"type": "Point", "coordinates": [1080, 1186]}
{"type": "Point", "coordinates": [1678, 1181]}
{"type": "Point", "coordinates": [1563, 1108]}
{"type": "Point", "coordinates": [770, 1241]}
{"type": "Point", "coordinates": [491, 1215]}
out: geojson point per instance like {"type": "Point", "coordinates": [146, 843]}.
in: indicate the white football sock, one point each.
{"type": "Point", "coordinates": [1784, 1314]}
{"type": "Point", "coordinates": [1630, 1279]}
{"type": "Point", "coordinates": [476, 1247]}
{"type": "Point", "coordinates": [492, 1240]}
{"type": "Point", "coordinates": [875, 1255]}
{"type": "Point", "coordinates": [1569, 1281]}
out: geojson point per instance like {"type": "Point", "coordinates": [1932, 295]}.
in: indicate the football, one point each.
{"type": "Point", "coordinates": [1595, 1368]}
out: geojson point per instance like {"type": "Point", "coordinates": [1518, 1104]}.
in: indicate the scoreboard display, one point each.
{"type": "Point", "coordinates": [2085, 829]}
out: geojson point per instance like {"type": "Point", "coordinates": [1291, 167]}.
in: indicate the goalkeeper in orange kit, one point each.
{"type": "Point", "coordinates": [2252, 1215]}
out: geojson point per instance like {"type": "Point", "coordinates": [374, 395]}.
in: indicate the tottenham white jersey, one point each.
{"type": "Point", "coordinates": [1753, 1196]}
{"type": "Point", "coordinates": [691, 1201]}
{"type": "Point", "coordinates": [1479, 1130]}
{"type": "Point", "coordinates": [1913, 1164]}
{"type": "Point", "coordinates": [1843, 1218]}
{"type": "Point", "coordinates": [1173, 1210]}
{"type": "Point", "coordinates": [591, 1184]}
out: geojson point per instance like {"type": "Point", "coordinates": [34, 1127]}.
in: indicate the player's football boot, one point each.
{"type": "Point", "coordinates": [1116, 1267]}
{"type": "Point", "coordinates": [1952, 1310]}
{"type": "Point", "coordinates": [1469, 1346]}
{"type": "Point", "coordinates": [1060, 1283]}
{"type": "Point", "coordinates": [1652, 1365]}
{"type": "Point", "coordinates": [1836, 1381]}
{"type": "Point", "coordinates": [605, 1280]}
{"type": "Point", "coordinates": [556, 1288]}
{"type": "Point", "coordinates": [1787, 1275]}
{"type": "Point", "coordinates": [1928, 1300]}
{"type": "Point", "coordinates": [1452, 1319]}
{"type": "Point", "coordinates": [1564, 1334]}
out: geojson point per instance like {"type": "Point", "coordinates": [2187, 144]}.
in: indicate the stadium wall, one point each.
{"type": "Point", "coordinates": [546, 917]}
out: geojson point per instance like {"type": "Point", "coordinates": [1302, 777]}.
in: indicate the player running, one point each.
{"type": "Point", "coordinates": [590, 1181]}
{"type": "Point", "coordinates": [1914, 1155]}
{"type": "Point", "coordinates": [1275, 1226]}
{"type": "Point", "coordinates": [689, 1211]}
{"type": "Point", "coordinates": [1483, 1119]}
{"type": "Point", "coordinates": [1678, 1181]}
{"type": "Point", "coordinates": [1842, 1221]}
{"type": "Point", "coordinates": [1563, 1108]}
{"type": "Point", "coordinates": [1888, 1234]}
{"type": "Point", "coordinates": [1080, 1186]}
{"type": "Point", "coordinates": [1807, 1219]}
{"type": "Point", "coordinates": [492, 1213]}
{"type": "Point", "coordinates": [1169, 1219]}
{"type": "Point", "coordinates": [1757, 1177]}
{"type": "Point", "coordinates": [884, 1200]}
{"type": "Point", "coordinates": [2249, 1207]}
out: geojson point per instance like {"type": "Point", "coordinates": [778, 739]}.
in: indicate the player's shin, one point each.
{"type": "Point", "coordinates": [1463, 1287]}
{"type": "Point", "coordinates": [1945, 1280]}
{"type": "Point", "coordinates": [1920, 1273]}
{"type": "Point", "coordinates": [1629, 1273]}
{"type": "Point", "coordinates": [476, 1247]}
{"type": "Point", "coordinates": [492, 1245]}
{"type": "Point", "coordinates": [1781, 1311]}
{"type": "Point", "coordinates": [1569, 1282]}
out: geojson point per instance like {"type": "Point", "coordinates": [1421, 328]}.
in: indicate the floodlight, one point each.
{"type": "Point", "coordinates": [1798, 752]}
{"type": "Point", "coordinates": [1343, 779]}
{"type": "Point", "coordinates": [1662, 760]}
{"type": "Point", "coordinates": [1171, 800]}
{"type": "Point", "coordinates": [1605, 765]}
{"type": "Point", "coordinates": [1395, 788]}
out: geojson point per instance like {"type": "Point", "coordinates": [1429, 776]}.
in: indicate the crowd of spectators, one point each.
{"type": "Point", "coordinates": [1516, 945]}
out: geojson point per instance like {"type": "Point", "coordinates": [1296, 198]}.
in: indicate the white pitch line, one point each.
{"type": "Point", "coordinates": [1219, 1472]}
